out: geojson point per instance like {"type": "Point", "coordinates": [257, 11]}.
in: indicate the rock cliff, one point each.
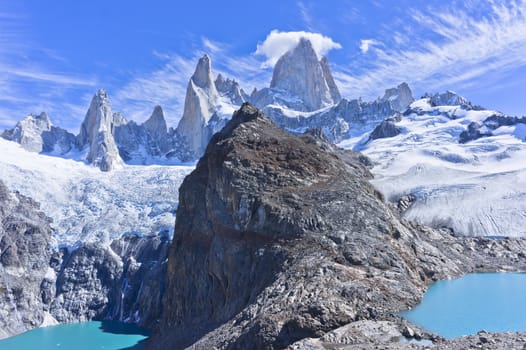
{"type": "Point", "coordinates": [300, 74]}
{"type": "Point", "coordinates": [199, 106]}
{"type": "Point", "coordinates": [280, 238]}
{"type": "Point", "coordinates": [42, 286]}
{"type": "Point", "coordinates": [96, 134]}
{"type": "Point", "coordinates": [25, 237]}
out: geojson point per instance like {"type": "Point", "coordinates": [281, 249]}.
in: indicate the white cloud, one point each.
{"type": "Point", "coordinates": [365, 44]}
{"type": "Point", "coordinates": [459, 48]}
{"type": "Point", "coordinates": [277, 43]}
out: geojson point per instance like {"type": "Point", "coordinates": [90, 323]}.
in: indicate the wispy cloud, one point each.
{"type": "Point", "coordinates": [277, 43]}
{"type": "Point", "coordinates": [305, 14]}
{"type": "Point", "coordinates": [366, 44]}
{"type": "Point", "coordinates": [27, 85]}
{"type": "Point", "coordinates": [167, 85]}
{"type": "Point", "coordinates": [461, 46]}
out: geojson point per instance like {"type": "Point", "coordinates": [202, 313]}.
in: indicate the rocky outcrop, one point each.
{"type": "Point", "coordinates": [96, 134]}
{"type": "Point", "coordinates": [477, 130]}
{"type": "Point", "coordinates": [124, 281]}
{"type": "Point", "coordinates": [230, 89]}
{"type": "Point", "coordinates": [400, 97]}
{"type": "Point", "coordinates": [300, 74]}
{"type": "Point", "coordinates": [40, 285]}
{"type": "Point", "coordinates": [35, 133]}
{"type": "Point", "coordinates": [449, 98]}
{"type": "Point", "coordinates": [278, 239]}
{"type": "Point", "coordinates": [25, 239]}
{"type": "Point", "coordinates": [473, 132]}
{"type": "Point", "coordinates": [387, 128]}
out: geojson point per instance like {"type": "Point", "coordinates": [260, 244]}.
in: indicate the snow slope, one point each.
{"type": "Point", "coordinates": [89, 205]}
{"type": "Point", "coordinates": [476, 188]}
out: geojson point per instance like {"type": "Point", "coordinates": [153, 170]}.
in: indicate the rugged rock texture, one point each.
{"type": "Point", "coordinates": [387, 128]}
{"type": "Point", "coordinates": [122, 282]}
{"type": "Point", "coordinates": [349, 118]}
{"type": "Point", "coordinates": [399, 97]}
{"type": "Point", "coordinates": [299, 74]}
{"type": "Point", "coordinates": [278, 239]}
{"type": "Point", "coordinates": [230, 89]}
{"type": "Point", "coordinates": [40, 286]}
{"type": "Point", "coordinates": [199, 106]}
{"type": "Point", "coordinates": [25, 237]}
{"type": "Point", "coordinates": [449, 98]}
{"type": "Point", "coordinates": [35, 133]}
{"type": "Point", "coordinates": [96, 134]}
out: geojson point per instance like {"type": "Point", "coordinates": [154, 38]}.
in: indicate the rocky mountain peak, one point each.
{"type": "Point", "coordinates": [300, 73]}
{"type": "Point", "coordinates": [199, 106]}
{"type": "Point", "coordinates": [333, 89]}
{"type": "Point", "coordinates": [96, 133]}
{"type": "Point", "coordinates": [36, 133]}
{"type": "Point", "coordinates": [156, 125]}
{"type": "Point", "coordinates": [448, 98]}
{"type": "Point", "coordinates": [203, 76]}
{"type": "Point", "coordinates": [399, 97]}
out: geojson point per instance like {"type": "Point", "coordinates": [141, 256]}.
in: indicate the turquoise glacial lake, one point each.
{"type": "Point", "coordinates": [107, 335]}
{"type": "Point", "coordinates": [495, 302]}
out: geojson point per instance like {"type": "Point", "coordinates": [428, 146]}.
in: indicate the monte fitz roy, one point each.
{"type": "Point", "coordinates": [290, 217]}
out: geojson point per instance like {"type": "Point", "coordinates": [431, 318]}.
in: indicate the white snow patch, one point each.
{"type": "Point", "coordinates": [477, 188]}
{"type": "Point", "coordinates": [48, 320]}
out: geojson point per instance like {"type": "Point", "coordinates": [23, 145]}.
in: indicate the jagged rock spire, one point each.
{"type": "Point", "coordinates": [96, 133]}
{"type": "Point", "coordinates": [199, 106]}
{"type": "Point", "coordinates": [300, 73]}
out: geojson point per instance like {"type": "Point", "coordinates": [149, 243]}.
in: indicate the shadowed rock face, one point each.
{"type": "Point", "coordinates": [25, 236]}
{"type": "Point", "coordinates": [279, 238]}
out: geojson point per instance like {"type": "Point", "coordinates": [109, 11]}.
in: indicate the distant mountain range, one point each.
{"type": "Point", "coordinates": [302, 95]}
{"type": "Point", "coordinates": [430, 156]}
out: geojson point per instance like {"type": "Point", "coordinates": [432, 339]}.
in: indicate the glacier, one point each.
{"type": "Point", "coordinates": [474, 188]}
{"type": "Point", "coordinates": [88, 205]}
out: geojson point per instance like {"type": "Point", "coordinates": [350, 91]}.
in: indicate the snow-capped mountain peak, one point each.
{"type": "Point", "coordinates": [300, 74]}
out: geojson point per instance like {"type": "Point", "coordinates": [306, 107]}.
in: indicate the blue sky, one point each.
{"type": "Point", "coordinates": [55, 54]}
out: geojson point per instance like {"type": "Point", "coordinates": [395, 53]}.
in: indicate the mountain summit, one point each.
{"type": "Point", "coordinates": [96, 133]}
{"type": "Point", "coordinates": [199, 106]}
{"type": "Point", "coordinates": [300, 73]}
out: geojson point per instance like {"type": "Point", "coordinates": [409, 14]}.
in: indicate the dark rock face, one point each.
{"type": "Point", "coordinates": [386, 129]}
{"type": "Point", "coordinates": [25, 236]}
{"type": "Point", "coordinates": [278, 239]}
{"type": "Point", "coordinates": [476, 130]}
{"type": "Point", "coordinates": [473, 132]}
{"type": "Point", "coordinates": [123, 282]}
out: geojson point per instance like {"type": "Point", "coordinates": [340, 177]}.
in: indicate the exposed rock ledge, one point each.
{"type": "Point", "coordinates": [281, 239]}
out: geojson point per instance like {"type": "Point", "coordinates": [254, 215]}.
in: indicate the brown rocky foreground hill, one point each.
{"type": "Point", "coordinates": [280, 239]}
